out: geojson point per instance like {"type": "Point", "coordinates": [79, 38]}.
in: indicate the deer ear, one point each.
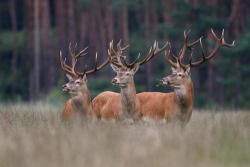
{"type": "Point", "coordinates": [84, 77]}
{"type": "Point", "coordinates": [173, 69]}
{"type": "Point", "coordinates": [136, 67]}
{"type": "Point", "coordinates": [69, 77]}
{"type": "Point", "coordinates": [115, 69]}
{"type": "Point", "coordinates": [187, 71]}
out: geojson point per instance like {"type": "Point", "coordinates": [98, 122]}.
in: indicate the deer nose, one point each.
{"type": "Point", "coordinates": [165, 80]}
{"type": "Point", "coordinates": [64, 87]}
{"type": "Point", "coordinates": [114, 80]}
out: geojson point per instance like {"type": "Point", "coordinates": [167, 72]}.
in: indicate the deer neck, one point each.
{"type": "Point", "coordinates": [82, 101]}
{"type": "Point", "coordinates": [128, 98]}
{"type": "Point", "coordinates": [185, 95]}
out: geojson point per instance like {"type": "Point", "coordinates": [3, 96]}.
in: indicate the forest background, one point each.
{"type": "Point", "coordinates": [33, 31]}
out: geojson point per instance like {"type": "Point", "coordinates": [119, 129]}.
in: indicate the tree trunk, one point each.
{"type": "Point", "coordinates": [124, 23]}
{"type": "Point", "coordinates": [101, 28]}
{"type": "Point", "coordinates": [71, 21]}
{"type": "Point", "coordinates": [167, 5]}
{"type": "Point", "coordinates": [60, 16]}
{"type": "Point", "coordinates": [47, 60]}
{"type": "Point", "coordinates": [29, 26]}
{"type": "Point", "coordinates": [236, 25]}
{"type": "Point", "coordinates": [83, 23]}
{"type": "Point", "coordinates": [109, 22]}
{"type": "Point", "coordinates": [210, 77]}
{"type": "Point", "coordinates": [210, 80]}
{"type": "Point", "coordinates": [93, 35]}
{"type": "Point", "coordinates": [37, 50]}
{"type": "Point", "coordinates": [12, 10]}
{"type": "Point", "coordinates": [221, 89]}
{"type": "Point", "coordinates": [150, 19]}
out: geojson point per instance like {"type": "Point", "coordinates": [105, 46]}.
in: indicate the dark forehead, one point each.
{"type": "Point", "coordinates": [76, 78]}
{"type": "Point", "coordinates": [179, 69]}
{"type": "Point", "coordinates": [123, 69]}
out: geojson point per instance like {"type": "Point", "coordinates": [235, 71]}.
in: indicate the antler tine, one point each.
{"type": "Point", "coordinates": [96, 55]}
{"type": "Point", "coordinates": [125, 48]}
{"type": "Point", "coordinates": [121, 57]}
{"type": "Point", "coordinates": [70, 50]}
{"type": "Point", "coordinates": [158, 50]}
{"type": "Point", "coordinates": [167, 54]}
{"type": "Point", "coordinates": [119, 45]}
{"type": "Point", "coordinates": [112, 54]}
{"type": "Point", "coordinates": [186, 34]}
{"type": "Point", "coordinates": [124, 63]}
{"type": "Point", "coordinates": [82, 53]}
{"type": "Point", "coordinates": [75, 48]}
{"type": "Point", "coordinates": [72, 54]}
{"type": "Point", "coordinates": [191, 57]}
{"type": "Point", "coordinates": [65, 67]}
{"type": "Point", "coordinates": [85, 67]}
{"type": "Point", "coordinates": [116, 57]}
{"type": "Point", "coordinates": [219, 43]}
{"type": "Point", "coordinates": [76, 56]}
{"type": "Point", "coordinates": [214, 35]}
{"type": "Point", "coordinates": [153, 51]}
{"type": "Point", "coordinates": [119, 48]}
{"type": "Point", "coordinates": [186, 44]}
{"type": "Point", "coordinates": [113, 50]}
{"type": "Point", "coordinates": [97, 68]}
{"type": "Point", "coordinates": [137, 58]}
{"type": "Point", "coordinates": [72, 70]}
{"type": "Point", "coordinates": [204, 58]}
{"type": "Point", "coordinates": [130, 65]}
{"type": "Point", "coordinates": [221, 39]}
{"type": "Point", "coordinates": [224, 42]}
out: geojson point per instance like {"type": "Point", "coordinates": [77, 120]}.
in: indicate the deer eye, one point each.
{"type": "Point", "coordinates": [180, 75]}
{"type": "Point", "coordinates": [127, 74]}
{"type": "Point", "coordinates": [78, 82]}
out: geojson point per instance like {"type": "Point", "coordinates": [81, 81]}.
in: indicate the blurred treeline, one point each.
{"type": "Point", "coordinates": [33, 31]}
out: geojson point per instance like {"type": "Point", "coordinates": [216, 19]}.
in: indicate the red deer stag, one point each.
{"type": "Point", "coordinates": [111, 106]}
{"type": "Point", "coordinates": [177, 105]}
{"type": "Point", "coordinates": [80, 101]}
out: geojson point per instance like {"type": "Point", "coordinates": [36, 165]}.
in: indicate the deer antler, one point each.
{"type": "Point", "coordinates": [74, 56]}
{"type": "Point", "coordinates": [187, 45]}
{"type": "Point", "coordinates": [182, 52]}
{"type": "Point", "coordinates": [72, 70]}
{"type": "Point", "coordinates": [153, 51]}
{"type": "Point", "coordinates": [115, 56]}
{"type": "Point", "coordinates": [219, 43]}
{"type": "Point", "coordinates": [97, 68]}
{"type": "Point", "coordinates": [120, 60]}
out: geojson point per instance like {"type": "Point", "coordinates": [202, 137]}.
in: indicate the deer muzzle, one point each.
{"type": "Point", "coordinates": [165, 81]}
{"type": "Point", "coordinates": [114, 81]}
{"type": "Point", "coordinates": [65, 88]}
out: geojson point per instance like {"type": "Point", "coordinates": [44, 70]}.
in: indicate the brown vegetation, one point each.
{"type": "Point", "coordinates": [34, 135]}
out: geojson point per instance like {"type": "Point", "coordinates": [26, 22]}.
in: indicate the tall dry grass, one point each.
{"type": "Point", "coordinates": [34, 136]}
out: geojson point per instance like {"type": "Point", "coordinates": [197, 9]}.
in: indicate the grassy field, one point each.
{"type": "Point", "coordinates": [34, 136]}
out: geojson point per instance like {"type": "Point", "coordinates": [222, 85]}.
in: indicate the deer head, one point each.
{"type": "Point", "coordinates": [77, 80]}
{"type": "Point", "coordinates": [125, 71]}
{"type": "Point", "coordinates": [181, 72]}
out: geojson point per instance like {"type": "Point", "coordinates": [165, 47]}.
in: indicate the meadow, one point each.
{"type": "Point", "coordinates": [33, 135]}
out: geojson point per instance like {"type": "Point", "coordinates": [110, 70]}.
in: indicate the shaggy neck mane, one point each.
{"type": "Point", "coordinates": [185, 94]}
{"type": "Point", "coordinates": [128, 98]}
{"type": "Point", "coordinates": [82, 101]}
